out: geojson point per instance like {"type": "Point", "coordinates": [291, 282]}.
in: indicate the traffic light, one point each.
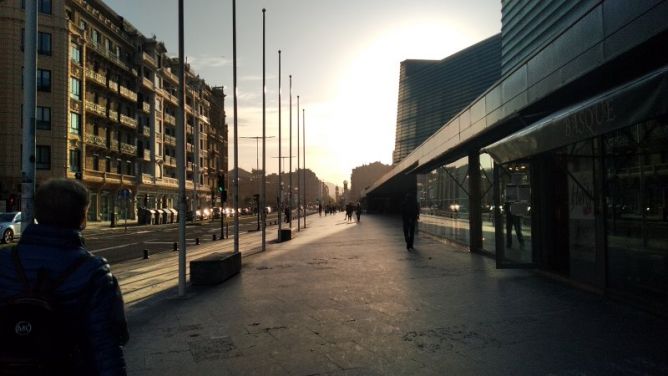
{"type": "Point", "coordinates": [221, 187]}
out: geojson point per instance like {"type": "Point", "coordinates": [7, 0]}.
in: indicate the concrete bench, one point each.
{"type": "Point", "coordinates": [215, 268]}
{"type": "Point", "coordinates": [286, 234]}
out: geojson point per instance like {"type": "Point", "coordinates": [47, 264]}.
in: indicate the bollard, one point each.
{"type": "Point", "coordinates": [214, 237]}
{"type": "Point", "coordinates": [146, 254]}
{"type": "Point", "coordinates": [196, 241]}
{"type": "Point", "coordinates": [176, 247]}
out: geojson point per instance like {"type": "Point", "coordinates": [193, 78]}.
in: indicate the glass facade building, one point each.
{"type": "Point", "coordinates": [431, 92]}
{"type": "Point", "coordinates": [561, 165]}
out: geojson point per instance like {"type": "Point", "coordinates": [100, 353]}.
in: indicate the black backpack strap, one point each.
{"type": "Point", "coordinates": [20, 272]}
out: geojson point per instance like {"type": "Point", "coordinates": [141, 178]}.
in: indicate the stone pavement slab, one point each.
{"type": "Point", "coordinates": [348, 299]}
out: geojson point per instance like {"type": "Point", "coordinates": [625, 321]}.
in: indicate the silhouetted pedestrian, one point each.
{"type": "Point", "coordinates": [81, 304]}
{"type": "Point", "coordinates": [410, 213]}
{"type": "Point", "coordinates": [358, 211]}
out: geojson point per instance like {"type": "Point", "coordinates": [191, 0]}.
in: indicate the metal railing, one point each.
{"type": "Point", "coordinates": [128, 121]}
{"type": "Point", "coordinates": [128, 149]}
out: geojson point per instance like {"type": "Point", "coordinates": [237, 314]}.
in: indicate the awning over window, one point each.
{"type": "Point", "coordinates": [631, 103]}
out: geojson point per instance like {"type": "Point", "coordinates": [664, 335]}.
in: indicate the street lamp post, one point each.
{"type": "Point", "coordinates": [257, 169]}
{"type": "Point", "coordinates": [280, 170]}
{"type": "Point", "coordinates": [304, 169]}
{"type": "Point", "coordinates": [298, 176]}
{"type": "Point", "coordinates": [290, 174]}
{"type": "Point", "coordinates": [235, 197]}
{"type": "Point", "coordinates": [181, 157]}
{"type": "Point", "coordinates": [263, 198]}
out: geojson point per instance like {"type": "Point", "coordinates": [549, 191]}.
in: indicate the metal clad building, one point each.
{"type": "Point", "coordinates": [431, 92]}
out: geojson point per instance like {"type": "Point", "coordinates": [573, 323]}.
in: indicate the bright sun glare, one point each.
{"type": "Point", "coordinates": [365, 108]}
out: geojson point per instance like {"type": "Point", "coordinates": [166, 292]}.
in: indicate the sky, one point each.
{"type": "Point", "coordinates": [343, 56]}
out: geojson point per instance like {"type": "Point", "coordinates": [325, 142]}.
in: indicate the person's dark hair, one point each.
{"type": "Point", "coordinates": [61, 203]}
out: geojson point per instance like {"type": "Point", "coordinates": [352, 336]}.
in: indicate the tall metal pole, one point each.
{"type": "Point", "coordinates": [299, 184]}
{"type": "Point", "coordinates": [290, 193]}
{"type": "Point", "coordinates": [263, 198]}
{"type": "Point", "coordinates": [304, 169]}
{"type": "Point", "coordinates": [236, 133]}
{"type": "Point", "coordinates": [280, 158]}
{"type": "Point", "coordinates": [181, 157]}
{"type": "Point", "coordinates": [29, 103]}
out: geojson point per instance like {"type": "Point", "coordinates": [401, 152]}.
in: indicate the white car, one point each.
{"type": "Point", "coordinates": [10, 226]}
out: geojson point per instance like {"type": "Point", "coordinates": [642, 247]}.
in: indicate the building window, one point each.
{"type": "Point", "coordinates": [96, 37]}
{"type": "Point", "coordinates": [43, 118]}
{"type": "Point", "coordinates": [75, 160]}
{"type": "Point", "coordinates": [107, 165]}
{"type": "Point", "coordinates": [96, 162]}
{"type": "Point", "coordinates": [75, 88]}
{"type": "Point", "coordinates": [128, 168]}
{"type": "Point", "coordinates": [43, 80]}
{"type": "Point", "coordinates": [75, 53]}
{"type": "Point", "coordinates": [44, 43]}
{"type": "Point", "coordinates": [119, 166]}
{"type": "Point", "coordinates": [43, 157]}
{"type": "Point", "coordinates": [75, 123]}
{"type": "Point", "coordinates": [44, 6]}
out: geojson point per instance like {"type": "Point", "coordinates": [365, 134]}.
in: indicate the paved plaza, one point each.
{"type": "Point", "coordinates": [348, 299]}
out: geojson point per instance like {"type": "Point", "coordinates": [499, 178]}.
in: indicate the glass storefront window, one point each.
{"type": "Point", "coordinates": [636, 197]}
{"type": "Point", "coordinates": [487, 202]}
{"type": "Point", "coordinates": [515, 213]}
{"type": "Point", "coordinates": [443, 196]}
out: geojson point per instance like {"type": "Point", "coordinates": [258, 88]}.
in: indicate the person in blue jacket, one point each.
{"type": "Point", "coordinates": [90, 297]}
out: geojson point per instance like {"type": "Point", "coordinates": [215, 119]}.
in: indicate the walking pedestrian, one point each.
{"type": "Point", "coordinates": [358, 211]}
{"type": "Point", "coordinates": [410, 213]}
{"type": "Point", "coordinates": [64, 299]}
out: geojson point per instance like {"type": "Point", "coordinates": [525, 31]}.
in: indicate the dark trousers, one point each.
{"type": "Point", "coordinates": [516, 222]}
{"type": "Point", "coordinates": [409, 231]}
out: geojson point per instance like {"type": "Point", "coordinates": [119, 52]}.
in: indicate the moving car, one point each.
{"type": "Point", "coordinates": [10, 226]}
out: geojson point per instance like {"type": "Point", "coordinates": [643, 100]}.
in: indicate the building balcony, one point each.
{"type": "Point", "coordinates": [113, 145]}
{"type": "Point", "coordinates": [170, 76]}
{"type": "Point", "coordinates": [127, 93]}
{"type": "Point", "coordinates": [147, 83]}
{"type": "Point", "coordinates": [149, 60]}
{"type": "Point", "coordinates": [147, 179]}
{"type": "Point", "coordinates": [146, 107]}
{"type": "Point", "coordinates": [94, 140]}
{"type": "Point", "coordinates": [169, 181]}
{"type": "Point", "coordinates": [169, 119]}
{"type": "Point", "coordinates": [171, 98]}
{"type": "Point", "coordinates": [128, 149]}
{"type": "Point", "coordinates": [190, 129]}
{"type": "Point", "coordinates": [189, 184]}
{"type": "Point", "coordinates": [113, 115]}
{"type": "Point", "coordinates": [204, 119]}
{"type": "Point", "coordinates": [96, 109]}
{"type": "Point", "coordinates": [189, 166]}
{"type": "Point", "coordinates": [96, 77]}
{"type": "Point", "coordinates": [170, 140]}
{"type": "Point", "coordinates": [128, 121]}
{"type": "Point", "coordinates": [113, 86]}
{"type": "Point", "coordinates": [146, 131]}
{"type": "Point", "coordinates": [147, 155]}
{"type": "Point", "coordinates": [189, 148]}
{"type": "Point", "coordinates": [170, 161]}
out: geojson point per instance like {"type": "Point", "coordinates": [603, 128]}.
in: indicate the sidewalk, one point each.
{"type": "Point", "coordinates": [347, 299]}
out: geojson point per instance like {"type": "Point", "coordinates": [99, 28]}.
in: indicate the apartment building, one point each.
{"type": "Point", "coordinates": [106, 112]}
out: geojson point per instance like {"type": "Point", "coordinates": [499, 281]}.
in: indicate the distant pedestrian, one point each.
{"type": "Point", "coordinates": [287, 214]}
{"type": "Point", "coordinates": [410, 213]}
{"type": "Point", "coordinates": [320, 209]}
{"type": "Point", "coordinates": [513, 221]}
{"type": "Point", "coordinates": [61, 309]}
{"type": "Point", "coordinates": [349, 212]}
{"type": "Point", "coordinates": [358, 211]}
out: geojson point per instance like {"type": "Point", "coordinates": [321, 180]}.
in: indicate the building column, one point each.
{"type": "Point", "coordinates": [475, 211]}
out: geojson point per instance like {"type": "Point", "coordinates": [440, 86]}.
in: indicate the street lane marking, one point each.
{"type": "Point", "coordinates": [108, 248]}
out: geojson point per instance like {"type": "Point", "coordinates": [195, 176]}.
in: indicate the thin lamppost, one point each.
{"type": "Point", "coordinates": [304, 169]}
{"type": "Point", "coordinates": [257, 172]}
{"type": "Point", "coordinates": [280, 188]}
{"type": "Point", "coordinates": [236, 129]}
{"type": "Point", "coordinates": [29, 108]}
{"type": "Point", "coordinates": [181, 157]}
{"type": "Point", "coordinates": [299, 184]}
{"type": "Point", "coordinates": [280, 158]}
{"type": "Point", "coordinates": [263, 197]}
{"type": "Point", "coordinates": [290, 174]}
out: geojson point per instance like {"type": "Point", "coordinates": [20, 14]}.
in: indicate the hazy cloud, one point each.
{"type": "Point", "coordinates": [205, 61]}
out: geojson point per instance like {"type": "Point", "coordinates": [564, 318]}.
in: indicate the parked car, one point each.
{"type": "Point", "coordinates": [10, 226]}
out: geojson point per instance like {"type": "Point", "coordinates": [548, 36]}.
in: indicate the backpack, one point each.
{"type": "Point", "coordinates": [35, 334]}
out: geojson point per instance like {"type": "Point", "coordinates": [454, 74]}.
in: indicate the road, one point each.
{"type": "Point", "coordinates": [116, 244]}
